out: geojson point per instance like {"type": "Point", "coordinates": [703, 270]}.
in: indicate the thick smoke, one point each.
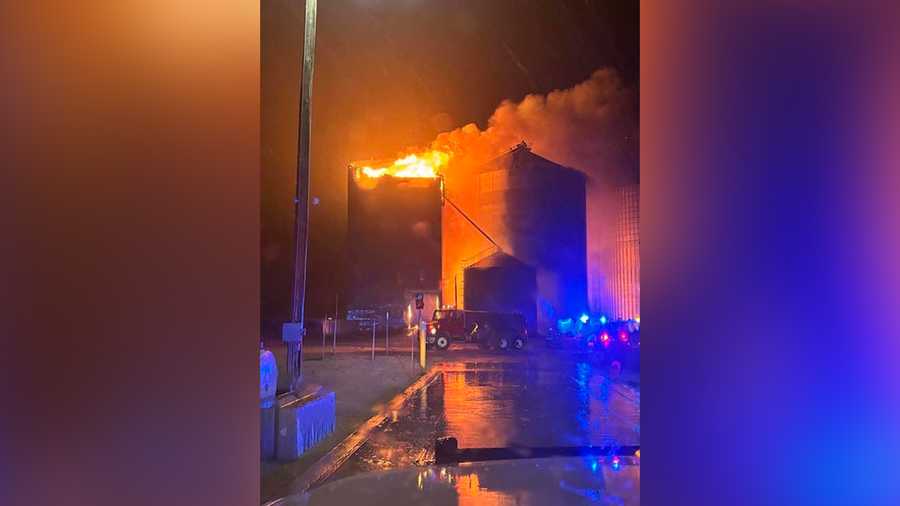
{"type": "Point", "coordinates": [591, 127]}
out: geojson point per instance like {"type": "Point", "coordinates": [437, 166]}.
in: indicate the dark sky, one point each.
{"type": "Point", "coordinates": [394, 73]}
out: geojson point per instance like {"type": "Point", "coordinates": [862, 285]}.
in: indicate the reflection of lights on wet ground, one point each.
{"type": "Point", "coordinates": [477, 410]}
{"type": "Point", "coordinates": [590, 494]}
{"type": "Point", "coordinates": [479, 405]}
{"type": "Point", "coordinates": [613, 462]}
{"type": "Point", "coordinates": [583, 372]}
{"type": "Point", "coordinates": [471, 492]}
{"type": "Point", "coordinates": [468, 484]}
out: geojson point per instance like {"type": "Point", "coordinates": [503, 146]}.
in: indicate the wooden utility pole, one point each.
{"type": "Point", "coordinates": [292, 332]}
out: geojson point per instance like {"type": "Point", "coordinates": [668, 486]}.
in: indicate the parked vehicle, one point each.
{"type": "Point", "coordinates": [609, 339]}
{"type": "Point", "coordinates": [490, 329]}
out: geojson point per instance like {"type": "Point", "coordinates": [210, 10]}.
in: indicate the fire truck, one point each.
{"type": "Point", "coordinates": [490, 329]}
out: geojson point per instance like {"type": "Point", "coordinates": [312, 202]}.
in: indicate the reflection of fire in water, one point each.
{"type": "Point", "coordinates": [471, 493]}
{"type": "Point", "coordinates": [473, 418]}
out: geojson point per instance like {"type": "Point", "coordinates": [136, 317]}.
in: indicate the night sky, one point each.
{"type": "Point", "coordinates": [392, 74]}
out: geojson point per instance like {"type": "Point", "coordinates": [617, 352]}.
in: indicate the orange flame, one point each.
{"type": "Point", "coordinates": [422, 165]}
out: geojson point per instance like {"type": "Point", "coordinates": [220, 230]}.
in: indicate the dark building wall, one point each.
{"type": "Point", "coordinates": [394, 239]}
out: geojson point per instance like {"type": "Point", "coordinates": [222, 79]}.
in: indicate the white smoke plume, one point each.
{"type": "Point", "coordinates": [591, 127]}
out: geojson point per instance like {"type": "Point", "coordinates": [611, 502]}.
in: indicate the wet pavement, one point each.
{"type": "Point", "coordinates": [539, 398]}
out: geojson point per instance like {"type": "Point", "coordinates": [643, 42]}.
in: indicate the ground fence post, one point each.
{"type": "Point", "coordinates": [422, 344]}
{"type": "Point", "coordinates": [334, 334]}
{"type": "Point", "coordinates": [414, 336]}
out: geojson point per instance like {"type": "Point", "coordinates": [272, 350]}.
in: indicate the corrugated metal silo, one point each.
{"type": "Point", "coordinates": [534, 209]}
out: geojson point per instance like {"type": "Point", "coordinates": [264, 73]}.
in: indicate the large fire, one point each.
{"type": "Point", "coordinates": [417, 165]}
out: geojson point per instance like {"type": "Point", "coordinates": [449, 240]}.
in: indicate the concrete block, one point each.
{"type": "Point", "coordinates": [268, 380]}
{"type": "Point", "coordinates": [303, 421]}
{"type": "Point", "coordinates": [267, 433]}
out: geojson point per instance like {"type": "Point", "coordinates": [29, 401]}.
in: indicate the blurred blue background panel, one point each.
{"type": "Point", "coordinates": [769, 254]}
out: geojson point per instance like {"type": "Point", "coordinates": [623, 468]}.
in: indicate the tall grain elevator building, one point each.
{"type": "Point", "coordinates": [393, 241]}
{"type": "Point", "coordinates": [531, 212]}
